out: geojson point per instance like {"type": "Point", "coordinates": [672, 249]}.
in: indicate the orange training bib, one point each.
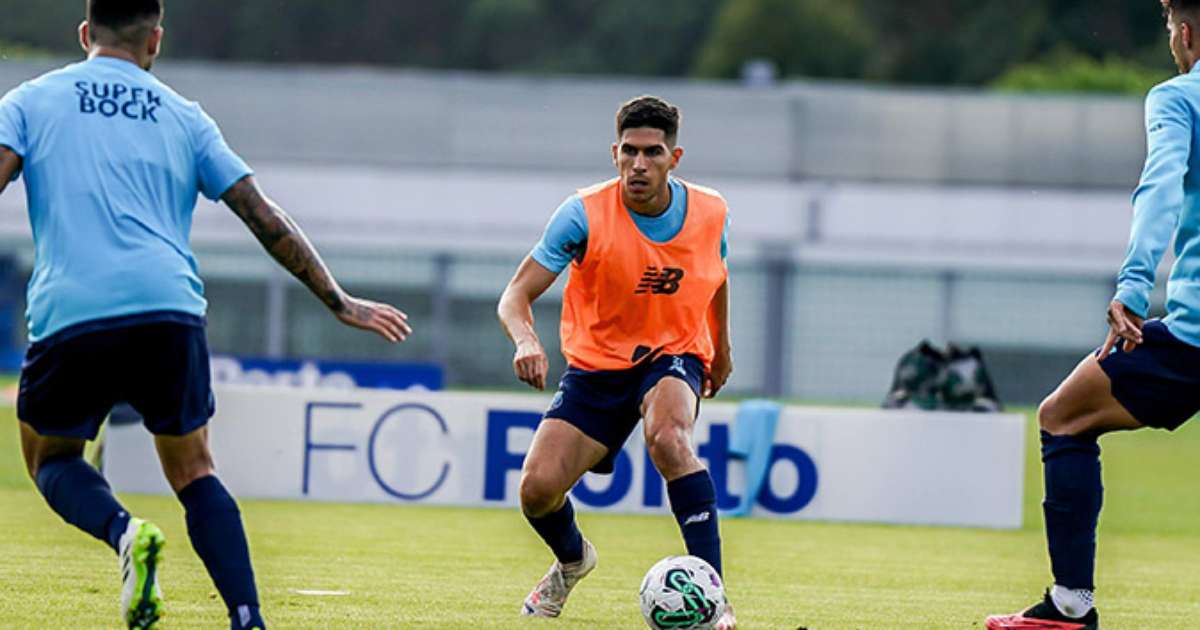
{"type": "Point", "coordinates": [631, 298]}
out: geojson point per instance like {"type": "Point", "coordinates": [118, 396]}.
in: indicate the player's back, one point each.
{"type": "Point", "coordinates": [113, 162]}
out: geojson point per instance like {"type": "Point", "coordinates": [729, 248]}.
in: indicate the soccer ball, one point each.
{"type": "Point", "coordinates": [682, 593]}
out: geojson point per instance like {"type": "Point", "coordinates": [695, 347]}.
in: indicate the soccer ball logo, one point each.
{"type": "Point", "coordinates": [682, 593]}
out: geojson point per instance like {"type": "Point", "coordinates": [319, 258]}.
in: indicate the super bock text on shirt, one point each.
{"type": "Point", "coordinates": [117, 99]}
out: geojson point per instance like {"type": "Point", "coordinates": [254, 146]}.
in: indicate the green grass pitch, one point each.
{"type": "Point", "coordinates": [415, 567]}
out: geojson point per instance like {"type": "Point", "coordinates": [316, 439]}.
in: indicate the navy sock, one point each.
{"type": "Point", "coordinates": [561, 533]}
{"type": "Point", "coordinates": [245, 617]}
{"type": "Point", "coordinates": [1074, 494]}
{"type": "Point", "coordinates": [81, 496]}
{"type": "Point", "coordinates": [694, 502]}
{"type": "Point", "coordinates": [215, 526]}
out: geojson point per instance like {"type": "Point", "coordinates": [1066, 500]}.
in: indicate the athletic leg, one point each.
{"type": "Point", "coordinates": [668, 412]}
{"type": "Point", "coordinates": [560, 454]}
{"type": "Point", "coordinates": [669, 416]}
{"type": "Point", "coordinates": [214, 523]}
{"type": "Point", "coordinates": [80, 494]}
{"type": "Point", "coordinates": [73, 488]}
{"type": "Point", "coordinates": [1072, 418]}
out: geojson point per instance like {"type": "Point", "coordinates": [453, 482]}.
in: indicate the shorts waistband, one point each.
{"type": "Point", "coordinates": [122, 321]}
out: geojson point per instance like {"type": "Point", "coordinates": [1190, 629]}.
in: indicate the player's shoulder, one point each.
{"type": "Point", "coordinates": [704, 192]}
{"type": "Point", "coordinates": [70, 71]}
{"type": "Point", "coordinates": [1184, 87]}
{"type": "Point", "coordinates": [63, 76]}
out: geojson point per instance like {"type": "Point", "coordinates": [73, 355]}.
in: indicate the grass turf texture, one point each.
{"type": "Point", "coordinates": [415, 567]}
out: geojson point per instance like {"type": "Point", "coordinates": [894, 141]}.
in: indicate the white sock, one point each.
{"type": "Point", "coordinates": [1072, 602]}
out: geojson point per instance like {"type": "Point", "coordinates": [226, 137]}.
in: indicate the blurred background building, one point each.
{"type": "Point", "coordinates": [980, 199]}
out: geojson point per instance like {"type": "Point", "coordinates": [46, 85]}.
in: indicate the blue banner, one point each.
{"type": "Point", "coordinates": [323, 373]}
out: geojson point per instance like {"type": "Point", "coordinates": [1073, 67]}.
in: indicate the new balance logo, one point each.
{"type": "Point", "coordinates": [659, 282]}
{"type": "Point", "coordinates": [677, 366]}
{"type": "Point", "coordinates": [696, 518]}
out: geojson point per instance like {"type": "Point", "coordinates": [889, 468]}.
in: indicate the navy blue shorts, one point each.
{"type": "Point", "coordinates": [156, 362]}
{"type": "Point", "coordinates": [1159, 382]}
{"type": "Point", "coordinates": [607, 404]}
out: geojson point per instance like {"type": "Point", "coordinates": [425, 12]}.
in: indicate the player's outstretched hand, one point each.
{"type": "Point", "coordinates": [722, 367]}
{"type": "Point", "coordinates": [384, 320]}
{"type": "Point", "coordinates": [1124, 326]}
{"type": "Point", "coordinates": [531, 364]}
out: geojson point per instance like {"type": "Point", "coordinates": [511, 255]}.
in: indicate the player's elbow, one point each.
{"type": "Point", "coordinates": [512, 301]}
{"type": "Point", "coordinates": [502, 307]}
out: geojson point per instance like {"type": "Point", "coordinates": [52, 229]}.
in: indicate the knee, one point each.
{"type": "Point", "coordinates": [540, 495]}
{"type": "Point", "coordinates": [670, 446]}
{"type": "Point", "coordinates": [1053, 418]}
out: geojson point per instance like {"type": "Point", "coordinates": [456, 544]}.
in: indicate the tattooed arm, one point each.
{"type": "Point", "coordinates": [10, 164]}
{"type": "Point", "coordinates": [284, 240]}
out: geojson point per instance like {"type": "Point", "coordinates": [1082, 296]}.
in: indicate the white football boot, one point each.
{"type": "Point", "coordinates": [547, 598]}
{"type": "Point", "coordinates": [140, 555]}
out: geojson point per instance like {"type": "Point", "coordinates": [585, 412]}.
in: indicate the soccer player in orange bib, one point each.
{"type": "Point", "coordinates": [645, 331]}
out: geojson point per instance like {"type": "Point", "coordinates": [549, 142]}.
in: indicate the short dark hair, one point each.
{"type": "Point", "coordinates": [128, 20]}
{"type": "Point", "coordinates": [649, 111]}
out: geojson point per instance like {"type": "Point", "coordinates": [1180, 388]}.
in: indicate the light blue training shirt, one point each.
{"type": "Point", "coordinates": [1166, 205]}
{"type": "Point", "coordinates": [113, 162]}
{"type": "Point", "coordinates": [565, 238]}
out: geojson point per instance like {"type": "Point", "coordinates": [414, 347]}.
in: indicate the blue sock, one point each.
{"type": "Point", "coordinates": [561, 533]}
{"type": "Point", "coordinates": [215, 527]}
{"type": "Point", "coordinates": [245, 617]}
{"type": "Point", "coordinates": [694, 502]}
{"type": "Point", "coordinates": [1074, 495]}
{"type": "Point", "coordinates": [81, 496]}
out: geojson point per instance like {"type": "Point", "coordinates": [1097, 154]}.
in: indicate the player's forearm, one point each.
{"type": "Point", "coordinates": [1135, 281]}
{"type": "Point", "coordinates": [516, 317]}
{"type": "Point", "coordinates": [285, 241]}
{"type": "Point", "coordinates": [1157, 205]}
{"type": "Point", "coordinates": [516, 304]}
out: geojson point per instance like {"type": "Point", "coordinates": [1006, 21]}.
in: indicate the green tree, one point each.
{"type": "Point", "coordinates": [1069, 71]}
{"type": "Point", "coordinates": [963, 42]}
{"type": "Point", "coordinates": [660, 38]}
{"type": "Point", "coordinates": [498, 34]}
{"type": "Point", "coordinates": [972, 42]}
{"type": "Point", "coordinates": [814, 38]}
{"type": "Point", "coordinates": [585, 36]}
{"type": "Point", "coordinates": [951, 41]}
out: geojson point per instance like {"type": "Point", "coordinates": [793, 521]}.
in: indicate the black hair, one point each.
{"type": "Point", "coordinates": [129, 21]}
{"type": "Point", "coordinates": [649, 111]}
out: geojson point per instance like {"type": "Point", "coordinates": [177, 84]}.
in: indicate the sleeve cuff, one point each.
{"type": "Point", "coordinates": [540, 256]}
{"type": "Point", "coordinates": [226, 184]}
{"type": "Point", "coordinates": [1136, 301]}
